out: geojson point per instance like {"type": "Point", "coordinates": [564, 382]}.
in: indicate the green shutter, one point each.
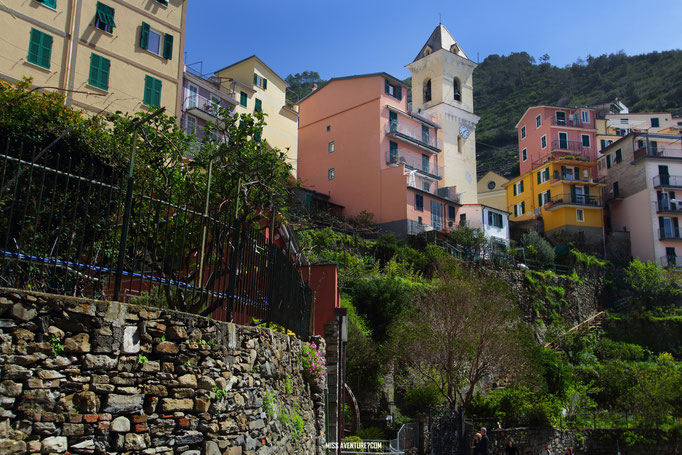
{"type": "Point", "coordinates": [538, 175]}
{"type": "Point", "coordinates": [265, 84]}
{"type": "Point", "coordinates": [521, 188]}
{"type": "Point", "coordinates": [515, 189]}
{"type": "Point", "coordinates": [259, 105]}
{"type": "Point", "coordinates": [40, 48]}
{"type": "Point", "coordinates": [387, 86]}
{"type": "Point", "coordinates": [163, 2]}
{"type": "Point", "coordinates": [255, 79]}
{"type": "Point", "coordinates": [549, 196]}
{"type": "Point", "coordinates": [50, 3]}
{"type": "Point", "coordinates": [523, 207]}
{"type": "Point", "coordinates": [676, 227]}
{"type": "Point", "coordinates": [539, 199]}
{"type": "Point", "coordinates": [99, 72]}
{"type": "Point", "coordinates": [152, 91]}
{"type": "Point", "coordinates": [157, 92]}
{"type": "Point", "coordinates": [546, 173]}
{"type": "Point", "coordinates": [144, 36]}
{"type": "Point", "coordinates": [168, 46]}
{"type": "Point", "coordinates": [400, 93]}
{"type": "Point", "coordinates": [242, 98]}
{"type": "Point", "coordinates": [105, 14]}
{"type": "Point", "coordinates": [572, 193]}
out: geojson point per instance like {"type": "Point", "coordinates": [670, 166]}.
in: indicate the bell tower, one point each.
{"type": "Point", "coordinates": [442, 87]}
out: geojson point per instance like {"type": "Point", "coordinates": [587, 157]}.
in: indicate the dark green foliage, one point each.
{"type": "Point", "coordinates": [505, 86]}
{"type": "Point", "coordinates": [658, 334]}
{"type": "Point", "coordinates": [471, 241]}
{"type": "Point", "coordinates": [419, 398]}
{"type": "Point", "coordinates": [652, 286]}
{"type": "Point", "coordinates": [517, 406]}
{"type": "Point", "coordinates": [620, 350]}
{"type": "Point", "coordinates": [537, 248]}
{"type": "Point", "coordinates": [301, 85]}
{"type": "Point", "coordinates": [371, 434]}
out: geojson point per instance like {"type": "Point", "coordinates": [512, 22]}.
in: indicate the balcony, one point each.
{"type": "Point", "coordinates": [657, 152]}
{"type": "Point", "coordinates": [413, 163]}
{"type": "Point", "coordinates": [570, 146]}
{"type": "Point", "coordinates": [413, 136]}
{"type": "Point", "coordinates": [200, 107]}
{"type": "Point", "coordinates": [566, 177]}
{"type": "Point", "coordinates": [667, 181]}
{"type": "Point", "coordinates": [669, 234]}
{"type": "Point", "coordinates": [427, 185]}
{"type": "Point", "coordinates": [668, 207]}
{"type": "Point", "coordinates": [557, 154]}
{"type": "Point", "coordinates": [582, 200]}
{"type": "Point", "coordinates": [570, 122]}
{"type": "Point", "coordinates": [671, 262]}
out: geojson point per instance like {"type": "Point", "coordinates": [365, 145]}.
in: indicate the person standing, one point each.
{"type": "Point", "coordinates": [511, 449]}
{"type": "Point", "coordinates": [545, 450]}
{"type": "Point", "coordinates": [485, 442]}
{"type": "Point", "coordinates": [477, 444]}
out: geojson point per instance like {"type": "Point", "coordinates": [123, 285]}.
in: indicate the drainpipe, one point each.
{"type": "Point", "coordinates": [72, 51]}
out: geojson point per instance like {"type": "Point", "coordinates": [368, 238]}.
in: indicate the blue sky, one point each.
{"type": "Point", "coordinates": [344, 37]}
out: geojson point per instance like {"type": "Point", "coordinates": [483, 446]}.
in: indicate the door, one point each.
{"type": "Point", "coordinates": [578, 194]}
{"type": "Point", "coordinates": [671, 256]}
{"type": "Point", "coordinates": [563, 141]}
{"type": "Point", "coordinates": [663, 173]}
{"type": "Point", "coordinates": [437, 215]}
{"type": "Point", "coordinates": [663, 201]}
{"type": "Point", "coordinates": [192, 97]}
{"type": "Point", "coordinates": [426, 137]}
{"type": "Point", "coordinates": [393, 121]}
{"type": "Point", "coordinates": [425, 163]}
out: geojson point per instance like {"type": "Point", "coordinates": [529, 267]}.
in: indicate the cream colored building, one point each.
{"type": "Point", "coordinates": [442, 88]}
{"type": "Point", "coordinates": [616, 125]}
{"type": "Point", "coordinates": [257, 87]}
{"type": "Point", "coordinates": [109, 55]}
{"type": "Point", "coordinates": [492, 191]}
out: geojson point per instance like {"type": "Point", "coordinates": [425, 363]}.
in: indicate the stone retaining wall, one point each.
{"type": "Point", "coordinates": [88, 376]}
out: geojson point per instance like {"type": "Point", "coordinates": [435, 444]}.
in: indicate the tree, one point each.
{"type": "Point", "coordinates": [461, 332]}
{"type": "Point", "coordinates": [301, 85]}
{"type": "Point", "coordinates": [652, 286]}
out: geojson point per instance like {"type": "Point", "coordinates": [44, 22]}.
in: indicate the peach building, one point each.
{"type": "Point", "coordinates": [359, 143]}
{"type": "Point", "coordinates": [547, 132]}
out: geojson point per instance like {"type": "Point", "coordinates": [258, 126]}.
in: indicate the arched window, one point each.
{"type": "Point", "coordinates": [457, 86]}
{"type": "Point", "coordinates": [427, 90]}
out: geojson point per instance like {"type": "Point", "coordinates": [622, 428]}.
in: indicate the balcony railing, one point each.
{"type": "Point", "coordinates": [668, 207]}
{"type": "Point", "coordinates": [559, 176]}
{"type": "Point", "coordinates": [411, 162]}
{"type": "Point", "coordinates": [668, 181]}
{"type": "Point", "coordinates": [669, 234]}
{"type": "Point", "coordinates": [414, 135]}
{"type": "Point", "coordinates": [571, 122]}
{"type": "Point", "coordinates": [431, 187]}
{"type": "Point", "coordinates": [449, 193]}
{"type": "Point", "coordinates": [671, 262]}
{"type": "Point", "coordinates": [657, 152]}
{"type": "Point", "coordinates": [196, 101]}
{"type": "Point", "coordinates": [558, 155]}
{"type": "Point", "coordinates": [588, 200]}
{"type": "Point", "coordinates": [573, 146]}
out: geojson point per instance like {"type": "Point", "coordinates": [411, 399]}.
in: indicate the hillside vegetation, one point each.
{"type": "Point", "coordinates": [505, 86]}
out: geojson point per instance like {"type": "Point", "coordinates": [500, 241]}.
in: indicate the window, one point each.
{"type": "Point", "coordinates": [215, 105]}
{"type": "Point", "coordinates": [427, 90]}
{"type": "Point", "coordinates": [330, 147]}
{"type": "Point", "coordinates": [40, 48]}
{"type": "Point", "coordinates": [190, 124]}
{"type": "Point", "coordinates": [495, 220]}
{"type": "Point", "coordinates": [392, 152]}
{"type": "Point", "coordinates": [163, 2]}
{"type": "Point", "coordinates": [619, 156]}
{"type": "Point", "coordinates": [99, 72]}
{"type": "Point", "coordinates": [419, 202]}
{"type": "Point", "coordinates": [49, 3]}
{"type": "Point", "coordinates": [330, 174]}
{"type": "Point", "coordinates": [602, 144]}
{"type": "Point", "coordinates": [624, 121]}
{"type": "Point", "coordinates": [259, 81]}
{"type": "Point", "coordinates": [462, 219]}
{"type": "Point", "coordinates": [396, 91]}
{"type": "Point", "coordinates": [520, 208]}
{"type": "Point", "coordinates": [457, 90]}
{"type": "Point", "coordinates": [436, 215]}
{"type": "Point", "coordinates": [329, 128]}
{"type": "Point", "coordinates": [543, 175]}
{"type": "Point", "coordinates": [426, 136]}
{"type": "Point", "coordinates": [538, 121]}
{"type": "Point", "coordinates": [104, 19]}
{"type": "Point", "coordinates": [152, 91]}
{"type": "Point", "coordinates": [193, 96]}
{"type": "Point", "coordinates": [259, 105]}
{"type": "Point", "coordinates": [655, 122]}
{"type": "Point", "coordinates": [518, 187]}
{"type": "Point", "coordinates": [452, 213]}
{"type": "Point", "coordinates": [580, 215]}
{"type": "Point", "coordinates": [543, 198]}
{"type": "Point", "coordinates": [425, 163]}
{"type": "Point", "coordinates": [392, 121]}
{"type": "Point", "coordinates": [242, 99]}
{"type": "Point", "coordinates": [419, 220]}
{"type": "Point", "coordinates": [523, 132]}
{"type": "Point", "coordinates": [616, 190]}
{"type": "Point", "coordinates": [608, 161]}
{"type": "Point", "coordinates": [543, 141]}
{"type": "Point", "coordinates": [563, 141]}
{"type": "Point", "coordinates": [150, 40]}
{"type": "Point", "coordinates": [426, 186]}
{"type": "Point", "coordinates": [524, 155]}
{"type": "Point", "coordinates": [560, 118]}
{"type": "Point", "coordinates": [491, 185]}
{"type": "Point", "coordinates": [585, 116]}
{"type": "Point", "coordinates": [586, 140]}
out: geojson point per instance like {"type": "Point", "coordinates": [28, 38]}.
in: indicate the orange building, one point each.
{"type": "Point", "coordinates": [358, 143]}
{"type": "Point", "coordinates": [546, 131]}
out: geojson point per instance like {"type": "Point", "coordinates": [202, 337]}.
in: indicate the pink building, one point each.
{"type": "Point", "coordinates": [547, 133]}
{"type": "Point", "coordinates": [358, 143]}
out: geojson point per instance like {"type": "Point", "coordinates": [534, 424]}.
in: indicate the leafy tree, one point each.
{"type": "Point", "coordinates": [538, 248]}
{"type": "Point", "coordinates": [301, 85]}
{"type": "Point", "coordinates": [651, 285]}
{"type": "Point", "coordinates": [471, 241]}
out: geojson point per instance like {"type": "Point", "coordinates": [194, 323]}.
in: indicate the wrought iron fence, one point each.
{"type": "Point", "coordinates": [61, 231]}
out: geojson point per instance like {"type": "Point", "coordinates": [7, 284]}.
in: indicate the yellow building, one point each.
{"type": "Point", "coordinates": [492, 191]}
{"type": "Point", "coordinates": [564, 194]}
{"type": "Point", "coordinates": [258, 88]}
{"type": "Point", "coordinates": [109, 55]}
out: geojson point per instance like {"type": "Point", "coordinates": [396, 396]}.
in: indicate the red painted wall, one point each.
{"type": "Point", "coordinates": [323, 280]}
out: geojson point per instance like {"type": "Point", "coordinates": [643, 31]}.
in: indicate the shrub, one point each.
{"type": "Point", "coordinates": [543, 251]}
{"type": "Point", "coordinates": [609, 349]}
{"type": "Point", "coordinates": [420, 398]}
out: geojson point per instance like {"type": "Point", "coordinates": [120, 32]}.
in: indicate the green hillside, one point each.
{"type": "Point", "coordinates": [505, 86]}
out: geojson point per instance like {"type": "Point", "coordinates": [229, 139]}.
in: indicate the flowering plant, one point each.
{"type": "Point", "coordinates": [312, 359]}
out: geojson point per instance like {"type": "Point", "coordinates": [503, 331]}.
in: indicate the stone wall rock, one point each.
{"type": "Point", "coordinates": [90, 377]}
